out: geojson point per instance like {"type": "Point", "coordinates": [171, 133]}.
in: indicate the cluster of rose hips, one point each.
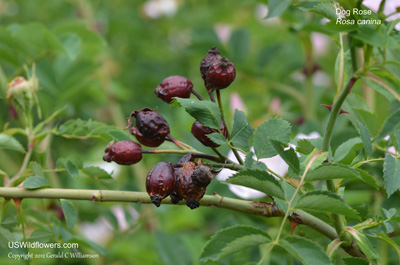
{"type": "Point", "coordinates": [186, 179]}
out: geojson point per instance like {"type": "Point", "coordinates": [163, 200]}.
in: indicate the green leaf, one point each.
{"type": "Point", "coordinates": [217, 138]}
{"type": "Point", "coordinates": [363, 244]}
{"type": "Point", "coordinates": [241, 131]}
{"type": "Point", "coordinates": [41, 236]}
{"type": "Point", "coordinates": [304, 146]}
{"type": "Point", "coordinates": [71, 216]}
{"type": "Point", "coordinates": [36, 169]}
{"type": "Point", "coordinates": [389, 125]}
{"type": "Point", "coordinates": [333, 247]}
{"type": "Point", "coordinates": [6, 236]}
{"type": "Point", "coordinates": [119, 135]}
{"type": "Point", "coordinates": [168, 245]}
{"type": "Point", "coordinates": [379, 88]}
{"type": "Point", "coordinates": [347, 148]}
{"type": "Point", "coordinates": [88, 243]}
{"type": "Point", "coordinates": [206, 112]}
{"type": "Point", "coordinates": [9, 142]}
{"type": "Point", "coordinates": [80, 129]}
{"type": "Point", "coordinates": [369, 119]}
{"type": "Point", "coordinates": [240, 43]}
{"type": "Point", "coordinates": [391, 242]}
{"type": "Point", "coordinates": [289, 156]}
{"type": "Point", "coordinates": [355, 261]}
{"type": "Point", "coordinates": [389, 213]}
{"type": "Point", "coordinates": [277, 7]}
{"type": "Point", "coordinates": [72, 169]}
{"type": "Point", "coordinates": [367, 178]}
{"type": "Point", "coordinates": [375, 36]}
{"type": "Point", "coordinates": [275, 129]}
{"type": "Point", "coordinates": [36, 38]}
{"type": "Point", "coordinates": [397, 136]}
{"type": "Point", "coordinates": [324, 201]}
{"type": "Point", "coordinates": [305, 250]}
{"type": "Point", "coordinates": [366, 138]}
{"type": "Point", "coordinates": [323, 9]}
{"type": "Point", "coordinates": [36, 182]}
{"type": "Point", "coordinates": [333, 171]}
{"type": "Point", "coordinates": [259, 180]}
{"type": "Point", "coordinates": [96, 172]}
{"type": "Point", "coordinates": [233, 239]}
{"type": "Point", "coordinates": [391, 174]}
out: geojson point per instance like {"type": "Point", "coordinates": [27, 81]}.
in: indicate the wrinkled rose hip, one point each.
{"type": "Point", "coordinates": [150, 142]}
{"type": "Point", "coordinates": [212, 57]}
{"type": "Point", "coordinates": [160, 182]}
{"type": "Point", "coordinates": [174, 86]}
{"type": "Point", "coordinates": [200, 132]}
{"type": "Point", "coordinates": [151, 124]}
{"type": "Point", "coordinates": [123, 152]}
{"type": "Point", "coordinates": [221, 74]}
{"type": "Point", "coordinates": [189, 191]}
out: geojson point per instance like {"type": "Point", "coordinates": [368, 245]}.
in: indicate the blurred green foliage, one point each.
{"type": "Point", "coordinates": [102, 59]}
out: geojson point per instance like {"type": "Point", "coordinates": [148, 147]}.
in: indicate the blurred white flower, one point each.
{"type": "Point", "coordinates": [320, 43]}
{"type": "Point", "coordinates": [111, 168]}
{"type": "Point", "coordinates": [236, 102]}
{"type": "Point", "coordinates": [157, 8]}
{"type": "Point", "coordinates": [391, 149]}
{"type": "Point", "coordinates": [223, 32]}
{"type": "Point", "coordinates": [388, 9]}
{"type": "Point", "coordinates": [99, 231]}
{"type": "Point", "coordinates": [261, 12]}
{"type": "Point", "coordinates": [276, 164]}
{"type": "Point", "coordinates": [119, 214]}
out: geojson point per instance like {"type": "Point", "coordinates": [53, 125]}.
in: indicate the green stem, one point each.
{"type": "Point", "coordinates": [380, 159]}
{"type": "Point", "coordinates": [337, 219]}
{"type": "Point", "coordinates": [228, 135]}
{"type": "Point", "coordinates": [334, 114]}
{"type": "Point", "coordinates": [23, 167]}
{"type": "Point", "coordinates": [224, 158]}
{"type": "Point", "coordinates": [289, 206]}
{"type": "Point", "coordinates": [232, 166]}
{"type": "Point", "coordinates": [251, 207]}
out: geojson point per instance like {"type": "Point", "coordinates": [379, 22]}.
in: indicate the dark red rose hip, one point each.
{"type": "Point", "coordinates": [151, 124]}
{"type": "Point", "coordinates": [220, 75]}
{"type": "Point", "coordinates": [202, 175]}
{"type": "Point", "coordinates": [174, 86]}
{"type": "Point", "coordinates": [200, 132]}
{"type": "Point", "coordinates": [212, 57]}
{"type": "Point", "coordinates": [160, 182]}
{"type": "Point", "coordinates": [150, 142]}
{"type": "Point", "coordinates": [123, 152]}
{"type": "Point", "coordinates": [189, 191]}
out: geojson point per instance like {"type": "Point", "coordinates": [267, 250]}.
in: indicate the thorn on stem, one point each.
{"type": "Point", "coordinates": [329, 107]}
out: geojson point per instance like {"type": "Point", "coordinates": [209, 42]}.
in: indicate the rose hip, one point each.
{"type": "Point", "coordinates": [123, 152]}
{"type": "Point", "coordinates": [174, 86]}
{"type": "Point", "coordinates": [160, 182]}
{"type": "Point", "coordinates": [151, 124]}
{"type": "Point", "coordinates": [189, 191]}
{"type": "Point", "coordinates": [220, 75]}
{"type": "Point", "coordinates": [200, 132]}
